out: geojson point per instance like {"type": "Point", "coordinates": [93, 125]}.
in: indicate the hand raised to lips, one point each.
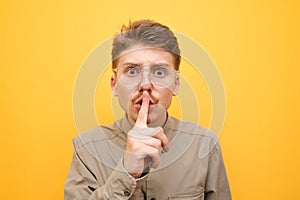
{"type": "Point", "coordinates": [141, 129]}
{"type": "Point", "coordinates": [144, 143]}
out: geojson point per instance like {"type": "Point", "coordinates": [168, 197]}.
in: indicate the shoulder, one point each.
{"type": "Point", "coordinates": [203, 138]}
{"type": "Point", "coordinates": [191, 128]}
{"type": "Point", "coordinates": [95, 135]}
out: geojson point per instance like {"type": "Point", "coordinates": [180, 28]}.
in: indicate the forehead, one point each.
{"type": "Point", "coordinates": [146, 56]}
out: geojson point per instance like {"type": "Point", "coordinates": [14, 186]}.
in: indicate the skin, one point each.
{"type": "Point", "coordinates": [146, 139]}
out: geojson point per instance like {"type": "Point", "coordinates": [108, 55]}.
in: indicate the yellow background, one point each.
{"type": "Point", "coordinates": [255, 45]}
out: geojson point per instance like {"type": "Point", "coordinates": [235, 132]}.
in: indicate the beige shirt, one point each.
{"type": "Point", "coordinates": [193, 168]}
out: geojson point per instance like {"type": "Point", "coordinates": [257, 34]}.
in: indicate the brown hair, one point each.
{"type": "Point", "coordinates": [148, 33]}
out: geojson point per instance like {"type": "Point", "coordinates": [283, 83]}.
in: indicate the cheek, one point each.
{"type": "Point", "coordinates": [124, 96]}
{"type": "Point", "coordinates": [165, 98]}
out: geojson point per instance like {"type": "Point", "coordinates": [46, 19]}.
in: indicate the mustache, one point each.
{"type": "Point", "coordinates": [139, 97]}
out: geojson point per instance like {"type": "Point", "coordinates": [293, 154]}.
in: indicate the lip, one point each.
{"type": "Point", "coordinates": [138, 106]}
{"type": "Point", "coordinates": [137, 102]}
{"type": "Point", "coordinates": [140, 99]}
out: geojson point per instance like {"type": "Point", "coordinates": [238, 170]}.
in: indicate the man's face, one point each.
{"type": "Point", "coordinates": [130, 95]}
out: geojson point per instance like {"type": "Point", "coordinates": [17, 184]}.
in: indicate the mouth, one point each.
{"type": "Point", "coordinates": [139, 103]}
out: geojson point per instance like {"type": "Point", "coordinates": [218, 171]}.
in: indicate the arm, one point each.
{"type": "Point", "coordinates": [217, 186]}
{"type": "Point", "coordinates": [82, 183]}
{"type": "Point", "coordinates": [143, 146]}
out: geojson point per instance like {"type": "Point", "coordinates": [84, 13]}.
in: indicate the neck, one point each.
{"type": "Point", "coordinates": [159, 122]}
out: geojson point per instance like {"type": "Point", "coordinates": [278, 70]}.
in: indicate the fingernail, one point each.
{"type": "Point", "coordinates": [164, 150]}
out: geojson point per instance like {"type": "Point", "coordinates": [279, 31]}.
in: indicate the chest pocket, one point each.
{"type": "Point", "coordinates": [198, 195]}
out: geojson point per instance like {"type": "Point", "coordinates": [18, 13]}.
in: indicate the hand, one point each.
{"type": "Point", "coordinates": [144, 144]}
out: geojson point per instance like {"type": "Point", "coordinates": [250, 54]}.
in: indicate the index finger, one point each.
{"type": "Point", "coordinates": [141, 120]}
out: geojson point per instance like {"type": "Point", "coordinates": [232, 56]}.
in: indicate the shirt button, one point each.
{"type": "Point", "coordinates": [126, 193]}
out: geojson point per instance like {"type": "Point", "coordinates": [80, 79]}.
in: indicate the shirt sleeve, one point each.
{"type": "Point", "coordinates": [217, 186]}
{"type": "Point", "coordinates": [82, 183]}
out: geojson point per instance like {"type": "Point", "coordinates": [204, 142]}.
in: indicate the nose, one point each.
{"type": "Point", "coordinates": [145, 82]}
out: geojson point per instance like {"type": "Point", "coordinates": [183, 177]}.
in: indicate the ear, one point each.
{"type": "Point", "coordinates": [113, 84]}
{"type": "Point", "coordinates": [177, 84]}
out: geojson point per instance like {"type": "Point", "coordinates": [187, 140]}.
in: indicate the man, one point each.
{"type": "Point", "coordinates": [146, 154]}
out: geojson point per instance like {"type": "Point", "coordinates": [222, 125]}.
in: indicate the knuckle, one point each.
{"type": "Point", "coordinates": [134, 146]}
{"type": "Point", "coordinates": [159, 130]}
{"type": "Point", "coordinates": [167, 142]}
{"type": "Point", "coordinates": [155, 153]}
{"type": "Point", "coordinates": [158, 144]}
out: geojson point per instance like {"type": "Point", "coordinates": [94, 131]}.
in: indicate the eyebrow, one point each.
{"type": "Point", "coordinates": [140, 65]}
{"type": "Point", "coordinates": [131, 64]}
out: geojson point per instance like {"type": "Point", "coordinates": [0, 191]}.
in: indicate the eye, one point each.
{"type": "Point", "coordinates": [132, 71]}
{"type": "Point", "coordinates": [159, 72]}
